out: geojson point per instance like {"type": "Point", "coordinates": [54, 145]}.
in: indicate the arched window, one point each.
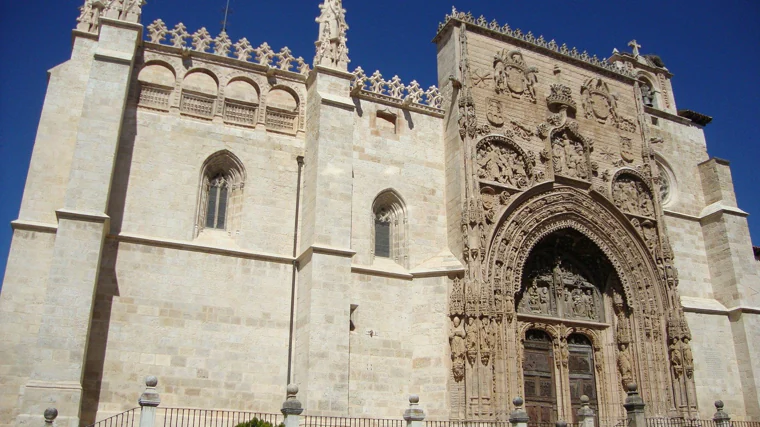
{"type": "Point", "coordinates": [389, 228]}
{"type": "Point", "coordinates": [222, 183]}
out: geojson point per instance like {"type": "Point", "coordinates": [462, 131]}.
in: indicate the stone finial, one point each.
{"type": "Point", "coordinates": [720, 416]}
{"type": "Point", "coordinates": [414, 412]}
{"type": "Point", "coordinates": [585, 410]}
{"type": "Point", "coordinates": [518, 415]}
{"type": "Point", "coordinates": [150, 396]}
{"type": "Point", "coordinates": [292, 406]}
{"type": "Point", "coordinates": [50, 415]}
{"type": "Point", "coordinates": [561, 423]}
{"type": "Point", "coordinates": [331, 44]}
{"type": "Point", "coordinates": [633, 401]}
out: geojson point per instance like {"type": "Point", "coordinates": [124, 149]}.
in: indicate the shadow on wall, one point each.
{"type": "Point", "coordinates": [108, 286]}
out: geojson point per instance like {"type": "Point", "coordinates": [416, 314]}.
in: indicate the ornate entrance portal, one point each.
{"type": "Point", "coordinates": [568, 284]}
{"type": "Point", "coordinates": [561, 298]}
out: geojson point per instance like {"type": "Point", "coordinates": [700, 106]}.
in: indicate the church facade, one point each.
{"type": "Point", "coordinates": [231, 219]}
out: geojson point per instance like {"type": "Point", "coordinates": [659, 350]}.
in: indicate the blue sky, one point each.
{"type": "Point", "coordinates": [710, 46]}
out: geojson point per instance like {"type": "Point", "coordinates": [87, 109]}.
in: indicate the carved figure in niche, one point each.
{"type": "Point", "coordinates": [631, 195]}
{"type": "Point", "coordinates": [495, 113]}
{"type": "Point", "coordinates": [650, 234]}
{"type": "Point", "coordinates": [456, 340]}
{"type": "Point", "coordinates": [588, 300]}
{"type": "Point", "coordinates": [647, 95]}
{"type": "Point", "coordinates": [471, 340]}
{"type": "Point", "coordinates": [534, 298]}
{"type": "Point", "coordinates": [625, 366]}
{"type": "Point", "coordinates": [487, 340]}
{"type": "Point", "coordinates": [688, 358]}
{"type": "Point", "coordinates": [598, 102]}
{"type": "Point", "coordinates": [569, 157]}
{"type": "Point", "coordinates": [502, 163]}
{"type": "Point", "coordinates": [512, 75]}
{"type": "Point", "coordinates": [676, 358]}
{"type": "Point", "coordinates": [467, 119]}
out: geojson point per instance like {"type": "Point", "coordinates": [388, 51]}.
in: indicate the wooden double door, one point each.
{"type": "Point", "coordinates": [540, 375]}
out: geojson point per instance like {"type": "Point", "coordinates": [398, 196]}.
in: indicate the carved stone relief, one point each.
{"type": "Point", "coordinates": [513, 76]}
{"type": "Point", "coordinates": [626, 149]}
{"type": "Point", "coordinates": [495, 112]}
{"type": "Point", "coordinates": [504, 162]}
{"type": "Point", "coordinates": [569, 156]}
{"type": "Point", "coordinates": [632, 195]}
{"type": "Point", "coordinates": [331, 45]}
{"type": "Point", "coordinates": [598, 102]}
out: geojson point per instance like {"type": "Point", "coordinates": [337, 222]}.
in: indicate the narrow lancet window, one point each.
{"type": "Point", "coordinates": [389, 223]}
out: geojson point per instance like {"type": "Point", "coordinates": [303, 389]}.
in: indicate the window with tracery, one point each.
{"type": "Point", "coordinates": [389, 228]}
{"type": "Point", "coordinates": [222, 183]}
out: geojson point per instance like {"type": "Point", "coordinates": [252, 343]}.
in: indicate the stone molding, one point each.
{"type": "Point", "coordinates": [194, 247]}
{"type": "Point", "coordinates": [41, 227]}
{"type": "Point", "coordinates": [669, 116]}
{"type": "Point", "coordinates": [82, 216]}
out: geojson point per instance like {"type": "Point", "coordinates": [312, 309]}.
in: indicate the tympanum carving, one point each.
{"type": "Point", "coordinates": [502, 161]}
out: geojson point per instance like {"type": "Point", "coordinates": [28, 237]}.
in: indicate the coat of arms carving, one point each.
{"type": "Point", "coordinates": [495, 112]}
{"type": "Point", "coordinates": [513, 76]}
{"type": "Point", "coordinates": [598, 102]}
{"type": "Point", "coordinates": [626, 149]}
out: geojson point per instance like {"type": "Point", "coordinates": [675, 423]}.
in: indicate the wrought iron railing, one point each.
{"type": "Point", "coordinates": [181, 417]}
{"type": "Point", "coordinates": [319, 421]}
{"type": "Point", "coordinates": [685, 422]}
{"type": "Point", "coordinates": [130, 418]}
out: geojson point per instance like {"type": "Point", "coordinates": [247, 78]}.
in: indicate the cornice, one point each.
{"type": "Point", "coordinates": [539, 44]}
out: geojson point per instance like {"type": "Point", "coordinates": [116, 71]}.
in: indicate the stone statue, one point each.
{"type": "Point", "coordinates": [676, 358]}
{"type": "Point", "coordinates": [688, 358]}
{"type": "Point", "coordinates": [625, 366]}
{"type": "Point", "coordinates": [471, 340]}
{"type": "Point", "coordinates": [558, 154]}
{"type": "Point", "coordinates": [647, 95]}
{"type": "Point", "coordinates": [456, 340]}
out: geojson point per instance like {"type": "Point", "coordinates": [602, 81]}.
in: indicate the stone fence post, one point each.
{"type": "Point", "coordinates": [721, 418]}
{"type": "Point", "coordinates": [634, 406]}
{"type": "Point", "coordinates": [149, 401]}
{"type": "Point", "coordinates": [414, 414]}
{"type": "Point", "coordinates": [292, 408]}
{"type": "Point", "coordinates": [50, 415]}
{"type": "Point", "coordinates": [586, 415]}
{"type": "Point", "coordinates": [518, 417]}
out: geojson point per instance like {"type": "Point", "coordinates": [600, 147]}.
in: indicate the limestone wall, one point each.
{"type": "Point", "coordinates": [212, 328]}
{"type": "Point", "coordinates": [21, 303]}
{"type": "Point", "coordinates": [408, 160]}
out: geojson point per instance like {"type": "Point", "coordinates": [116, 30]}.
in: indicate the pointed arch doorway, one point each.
{"type": "Point", "coordinates": [564, 304]}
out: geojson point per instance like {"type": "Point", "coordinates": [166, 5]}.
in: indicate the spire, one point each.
{"type": "Point", "coordinates": [331, 46]}
{"type": "Point", "coordinates": [122, 10]}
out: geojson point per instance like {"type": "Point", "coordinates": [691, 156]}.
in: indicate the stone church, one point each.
{"type": "Point", "coordinates": [231, 219]}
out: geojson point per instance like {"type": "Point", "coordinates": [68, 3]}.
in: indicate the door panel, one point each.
{"type": "Point", "coordinates": [538, 375]}
{"type": "Point", "coordinates": [581, 371]}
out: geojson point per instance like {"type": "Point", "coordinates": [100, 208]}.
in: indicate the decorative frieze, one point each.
{"type": "Point", "coordinates": [201, 41]}
{"type": "Point", "coordinates": [395, 92]}
{"type": "Point", "coordinates": [531, 39]}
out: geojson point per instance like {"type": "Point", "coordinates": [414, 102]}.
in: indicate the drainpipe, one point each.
{"type": "Point", "coordinates": [299, 159]}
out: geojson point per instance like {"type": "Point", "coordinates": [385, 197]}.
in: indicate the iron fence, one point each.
{"type": "Point", "coordinates": [319, 421]}
{"type": "Point", "coordinates": [181, 417]}
{"type": "Point", "coordinates": [467, 424]}
{"type": "Point", "coordinates": [130, 418]}
{"type": "Point", "coordinates": [684, 422]}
